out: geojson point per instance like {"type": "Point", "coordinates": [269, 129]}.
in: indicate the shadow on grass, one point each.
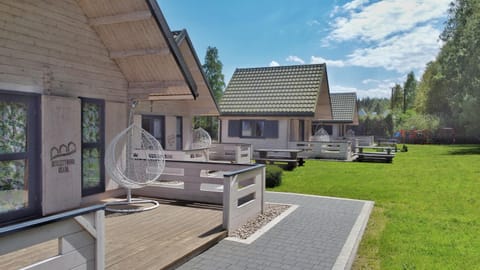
{"type": "Point", "coordinates": [465, 150]}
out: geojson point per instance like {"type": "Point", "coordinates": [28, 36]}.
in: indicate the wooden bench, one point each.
{"type": "Point", "coordinates": [277, 155]}
{"type": "Point", "coordinates": [375, 157]}
{"type": "Point", "coordinates": [291, 162]}
{"type": "Point", "coordinates": [389, 143]}
{"type": "Point", "coordinates": [383, 153]}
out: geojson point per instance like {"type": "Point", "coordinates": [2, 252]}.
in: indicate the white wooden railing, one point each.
{"type": "Point", "coordinates": [201, 154]}
{"type": "Point", "coordinates": [243, 196]}
{"type": "Point", "coordinates": [80, 234]}
{"type": "Point", "coordinates": [239, 188]}
{"type": "Point", "coordinates": [239, 153]}
{"type": "Point", "coordinates": [341, 150]}
{"type": "Point", "coordinates": [232, 152]}
{"type": "Point", "coordinates": [365, 140]}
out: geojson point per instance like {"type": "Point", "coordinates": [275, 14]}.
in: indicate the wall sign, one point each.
{"type": "Point", "coordinates": [61, 156]}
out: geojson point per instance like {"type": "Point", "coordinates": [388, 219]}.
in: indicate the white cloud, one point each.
{"type": "Point", "coordinates": [295, 59]}
{"type": "Point", "coordinates": [354, 4]}
{"type": "Point", "coordinates": [313, 23]}
{"type": "Point", "coordinates": [342, 89]}
{"type": "Point", "coordinates": [378, 92]}
{"type": "Point", "coordinates": [335, 11]}
{"type": "Point", "coordinates": [380, 20]}
{"type": "Point", "coordinates": [331, 63]}
{"type": "Point", "coordinates": [274, 64]}
{"type": "Point", "coordinates": [402, 53]}
{"type": "Point", "coordinates": [369, 81]}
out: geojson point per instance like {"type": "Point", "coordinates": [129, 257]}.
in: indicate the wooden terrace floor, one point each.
{"type": "Point", "coordinates": [157, 239]}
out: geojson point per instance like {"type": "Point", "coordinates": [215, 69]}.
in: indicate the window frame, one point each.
{"type": "Point", "coordinates": [253, 124]}
{"type": "Point", "coordinates": [31, 157]}
{"type": "Point", "coordinates": [101, 145]}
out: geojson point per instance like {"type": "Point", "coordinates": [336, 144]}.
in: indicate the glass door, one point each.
{"type": "Point", "coordinates": [155, 125]}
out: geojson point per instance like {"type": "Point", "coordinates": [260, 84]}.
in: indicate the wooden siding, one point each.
{"type": "Point", "coordinates": [324, 107]}
{"type": "Point", "coordinates": [47, 47]}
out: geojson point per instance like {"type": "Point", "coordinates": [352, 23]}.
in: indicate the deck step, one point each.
{"type": "Point", "coordinates": [197, 251]}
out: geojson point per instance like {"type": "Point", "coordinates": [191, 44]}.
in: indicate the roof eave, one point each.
{"type": "Point", "coordinates": [270, 114]}
{"type": "Point", "coordinates": [337, 121]}
{"type": "Point", "coordinates": [185, 37]}
{"type": "Point", "coordinates": [172, 45]}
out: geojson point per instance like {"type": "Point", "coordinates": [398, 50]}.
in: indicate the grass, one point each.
{"type": "Point", "coordinates": [427, 205]}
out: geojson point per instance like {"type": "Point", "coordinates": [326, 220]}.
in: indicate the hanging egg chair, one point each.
{"type": "Point", "coordinates": [134, 159]}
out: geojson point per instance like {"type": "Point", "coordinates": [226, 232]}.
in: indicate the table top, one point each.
{"type": "Point", "coordinates": [374, 147]}
{"type": "Point", "coordinates": [279, 150]}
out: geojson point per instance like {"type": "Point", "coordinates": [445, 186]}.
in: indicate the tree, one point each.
{"type": "Point", "coordinates": [396, 100]}
{"type": "Point", "coordinates": [409, 91]}
{"type": "Point", "coordinates": [451, 85]}
{"type": "Point", "coordinates": [213, 71]}
{"type": "Point", "coordinates": [212, 68]}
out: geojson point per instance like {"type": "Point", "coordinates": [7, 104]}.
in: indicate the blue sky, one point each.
{"type": "Point", "coordinates": [368, 45]}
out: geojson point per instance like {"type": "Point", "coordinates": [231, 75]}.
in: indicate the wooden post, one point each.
{"type": "Point", "coordinates": [238, 153]}
{"type": "Point", "coordinates": [100, 241]}
{"type": "Point", "coordinates": [262, 188]}
{"type": "Point", "coordinates": [227, 211]}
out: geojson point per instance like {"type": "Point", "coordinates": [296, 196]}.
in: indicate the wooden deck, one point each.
{"type": "Point", "coordinates": [156, 239]}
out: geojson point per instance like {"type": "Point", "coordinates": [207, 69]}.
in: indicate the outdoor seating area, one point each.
{"type": "Point", "coordinates": [200, 203]}
{"type": "Point", "coordinates": [389, 143]}
{"type": "Point", "coordinates": [272, 156]}
{"type": "Point", "coordinates": [336, 150]}
{"type": "Point", "coordinates": [375, 153]}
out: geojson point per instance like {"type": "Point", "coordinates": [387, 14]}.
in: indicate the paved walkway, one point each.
{"type": "Point", "coordinates": [322, 233]}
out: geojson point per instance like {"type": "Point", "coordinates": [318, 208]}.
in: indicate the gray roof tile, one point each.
{"type": "Point", "coordinates": [273, 90]}
{"type": "Point", "coordinates": [343, 106]}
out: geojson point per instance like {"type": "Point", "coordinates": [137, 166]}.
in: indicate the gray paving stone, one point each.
{"type": "Point", "coordinates": [311, 237]}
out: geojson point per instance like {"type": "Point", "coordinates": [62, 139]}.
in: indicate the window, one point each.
{"type": "Point", "coordinates": [93, 146]}
{"type": "Point", "coordinates": [20, 180]}
{"type": "Point", "coordinates": [253, 128]}
{"type": "Point", "coordinates": [179, 133]}
{"type": "Point", "coordinates": [155, 125]}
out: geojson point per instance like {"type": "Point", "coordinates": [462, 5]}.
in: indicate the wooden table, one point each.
{"type": "Point", "coordinates": [384, 155]}
{"type": "Point", "coordinates": [292, 158]}
{"type": "Point", "coordinates": [388, 142]}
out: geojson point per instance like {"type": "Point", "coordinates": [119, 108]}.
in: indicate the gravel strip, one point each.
{"type": "Point", "coordinates": [249, 228]}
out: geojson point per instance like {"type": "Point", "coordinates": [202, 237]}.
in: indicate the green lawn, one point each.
{"type": "Point", "coordinates": [427, 205]}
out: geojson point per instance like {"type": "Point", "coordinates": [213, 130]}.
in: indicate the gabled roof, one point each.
{"type": "Point", "coordinates": [344, 106]}
{"type": "Point", "coordinates": [275, 91]}
{"type": "Point", "coordinates": [139, 40]}
{"type": "Point", "coordinates": [205, 103]}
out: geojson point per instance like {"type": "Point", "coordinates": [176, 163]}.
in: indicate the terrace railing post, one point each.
{"type": "Point", "coordinates": [227, 202]}
{"type": "Point", "coordinates": [100, 241]}
{"type": "Point", "coordinates": [262, 189]}
{"type": "Point", "coordinates": [238, 153]}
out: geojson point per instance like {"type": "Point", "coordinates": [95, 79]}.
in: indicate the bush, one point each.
{"type": "Point", "coordinates": [273, 176]}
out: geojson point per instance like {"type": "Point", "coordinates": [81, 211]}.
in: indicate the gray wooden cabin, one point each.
{"type": "Point", "coordinates": [269, 107]}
